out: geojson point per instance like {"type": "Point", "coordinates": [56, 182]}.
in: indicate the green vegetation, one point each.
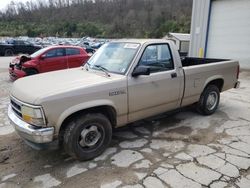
{"type": "Point", "coordinates": [99, 18]}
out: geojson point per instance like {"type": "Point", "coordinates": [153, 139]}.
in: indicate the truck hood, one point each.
{"type": "Point", "coordinates": [33, 89]}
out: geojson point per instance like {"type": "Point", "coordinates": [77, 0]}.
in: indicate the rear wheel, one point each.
{"type": "Point", "coordinates": [209, 100]}
{"type": "Point", "coordinates": [87, 136]}
{"type": "Point", "coordinates": [8, 52]}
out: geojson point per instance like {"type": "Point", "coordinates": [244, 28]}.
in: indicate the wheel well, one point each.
{"type": "Point", "coordinates": [9, 49]}
{"type": "Point", "coordinates": [108, 111]}
{"type": "Point", "coordinates": [218, 82]}
{"type": "Point", "coordinates": [31, 68]}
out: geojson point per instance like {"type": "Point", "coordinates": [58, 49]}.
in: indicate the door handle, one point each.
{"type": "Point", "coordinates": [173, 75]}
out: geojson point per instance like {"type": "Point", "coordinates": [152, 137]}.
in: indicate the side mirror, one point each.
{"type": "Point", "coordinates": [141, 70]}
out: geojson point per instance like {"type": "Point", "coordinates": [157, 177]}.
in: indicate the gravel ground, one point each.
{"type": "Point", "coordinates": [183, 149]}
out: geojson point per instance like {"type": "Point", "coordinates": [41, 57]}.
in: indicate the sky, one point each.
{"type": "Point", "coordinates": [4, 3]}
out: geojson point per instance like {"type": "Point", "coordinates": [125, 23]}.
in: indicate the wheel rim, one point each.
{"type": "Point", "coordinates": [212, 100]}
{"type": "Point", "coordinates": [89, 136]}
{"type": "Point", "coordinates": [8, 52]}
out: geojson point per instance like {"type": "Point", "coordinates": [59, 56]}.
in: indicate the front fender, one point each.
{"type": "Point", "coordinates": [83, 106]}
{"type": "Point", "coordinates": [29, 64]}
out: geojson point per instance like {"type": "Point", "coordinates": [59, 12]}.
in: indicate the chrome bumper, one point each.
{"type": "Point", "coordinates": [30, 132]}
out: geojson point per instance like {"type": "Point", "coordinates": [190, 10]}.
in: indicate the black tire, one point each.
{"type": "Point", "coordinates": [8, 52]}
{"type": "Point", "coordinates": [31, 72]}
{"type": "Point", "coordinates": [73, 138]}
{"type": "Point", "coordinates": [205, 107]}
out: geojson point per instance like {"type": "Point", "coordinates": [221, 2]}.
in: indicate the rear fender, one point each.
{"type": "Point", "coordinates": [212, 78]}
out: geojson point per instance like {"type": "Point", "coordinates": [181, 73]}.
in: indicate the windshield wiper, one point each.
{"type": "Point", "coordinates": [103, 69]}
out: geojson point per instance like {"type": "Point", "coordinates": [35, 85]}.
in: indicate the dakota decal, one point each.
{"type": "Point", "coordinates": [114, 93]}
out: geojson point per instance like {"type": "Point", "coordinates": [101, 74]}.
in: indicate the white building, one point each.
{"type": "Point", "coordinates": [182, 41]}
{"type": "Point", "coordinates": [221, 29]}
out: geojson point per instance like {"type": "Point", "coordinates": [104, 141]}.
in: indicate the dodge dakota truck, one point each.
{"type": "Point", "coordinates": [123, 82]}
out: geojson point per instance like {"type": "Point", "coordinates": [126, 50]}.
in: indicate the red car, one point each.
{"type": "Point", "coordinates": [48, 59]}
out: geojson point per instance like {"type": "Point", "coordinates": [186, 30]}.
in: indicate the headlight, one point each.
{"type": "Point", "coordinates": [33, 116]}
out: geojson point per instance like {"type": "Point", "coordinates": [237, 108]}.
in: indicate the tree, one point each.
{"type": "Point", "coordinates": [104, 18]}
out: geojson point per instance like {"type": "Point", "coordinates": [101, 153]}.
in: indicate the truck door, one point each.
{"type": "Point", "coordinates": [158, 92]}
{"type": "Point", "coordinates": [19, 46]}
{"type": "Point", "coordinates": [23, 47]}
{"type": "Point", "coordinates": [29, 48]}
{"type": "Point", "coordinates": [53, 59]}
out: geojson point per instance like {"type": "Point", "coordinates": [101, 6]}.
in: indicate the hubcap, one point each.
{"type": "Point", "coordinates": [212, 100]}
{"type": "Point", "coordinates": [89, 136]}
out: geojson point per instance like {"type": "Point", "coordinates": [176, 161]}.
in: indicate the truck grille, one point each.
{"type": "Point", "coordinates": [16, 107]}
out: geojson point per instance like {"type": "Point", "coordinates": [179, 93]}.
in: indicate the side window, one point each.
{"type": "Point", "coordinates": [157, 57]}
{"type": "Point", "coordinates": [149, 56]}
{"type": "Point", "coordinates": [27, 43]}
{"type": "Point", "coordinates": [55, 53]}
{"type": "Point", "coordinates": [72, 51]}
{"type": "Point", "coordinates": [19, 42]}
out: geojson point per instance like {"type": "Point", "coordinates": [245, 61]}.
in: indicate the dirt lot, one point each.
{"type": "Point", "coordinates": [183, 149]}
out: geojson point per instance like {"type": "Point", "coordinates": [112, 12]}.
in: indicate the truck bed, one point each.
{"type": "Point", "coordinates": [191, 61]}
{"type": "Point", "coordinates": [199, 72]}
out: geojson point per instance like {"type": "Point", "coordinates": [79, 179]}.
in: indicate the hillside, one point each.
{"type": "Point", "coordinates": [99, 18]}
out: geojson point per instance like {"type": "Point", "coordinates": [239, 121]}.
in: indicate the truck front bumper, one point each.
{"type": "Point", "coordinates": [29, 132]}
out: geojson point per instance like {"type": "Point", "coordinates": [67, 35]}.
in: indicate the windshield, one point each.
{"type": "Point", "coordinates": [114, 57]}
{"type": "Point", "coordinates": [39, 52]}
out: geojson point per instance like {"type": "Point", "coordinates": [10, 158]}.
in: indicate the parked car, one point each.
{"type": "Point", "coordinates": [12, 47]}
{"type": "Point", "coordinates": [47, 59]}
{"type": "Point", "coordinates": [96, 45]}
{"type": "Point", "coordinates": [87, 47]}
{"type": "Point", "coordinates": [124, 81]}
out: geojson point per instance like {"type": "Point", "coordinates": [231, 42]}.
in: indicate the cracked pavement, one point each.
{"type": "Point", "coordinates": [181, 149]}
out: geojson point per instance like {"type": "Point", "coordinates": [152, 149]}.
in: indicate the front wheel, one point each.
{"type": "Point", "coordinates": [8, 52]}
{"type": "Point", "coordinates": [30, 72]}
{"type": "Point", "coordinates": [87, 136]}
{"type": "Point", "coordinates": [209, 100]}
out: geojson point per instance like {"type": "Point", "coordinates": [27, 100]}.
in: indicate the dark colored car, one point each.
{"type": "Point", "coordinates": [48, 59]}
{"type": "Point", "coordinates": [12, 47]}
{"type": "Point", "coordinates": [86, 47]}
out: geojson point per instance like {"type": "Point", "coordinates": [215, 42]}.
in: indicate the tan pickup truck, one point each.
{"type": "Point", "coordinates": [124, 81]}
